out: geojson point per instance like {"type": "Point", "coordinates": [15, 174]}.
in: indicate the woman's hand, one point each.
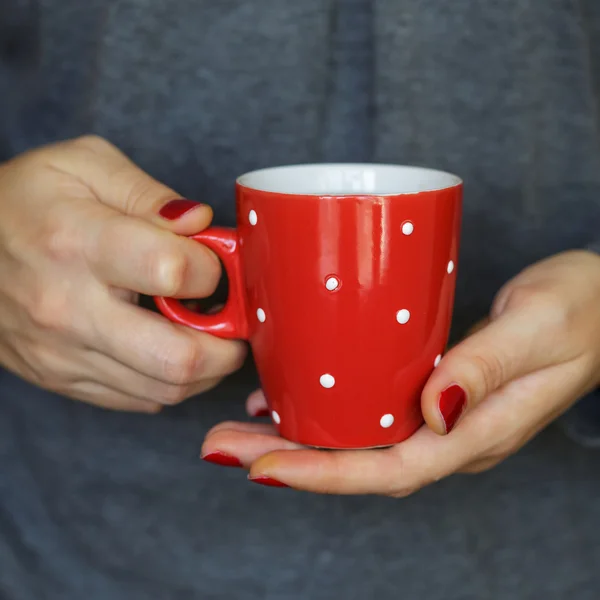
{"type": "Point", "coordinates": [81, 234]}
{"type": "Point", "coordinates": [535, 356]}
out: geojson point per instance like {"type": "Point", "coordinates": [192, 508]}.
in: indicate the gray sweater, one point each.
{"type": "Point", "coordinates": [505, 94]}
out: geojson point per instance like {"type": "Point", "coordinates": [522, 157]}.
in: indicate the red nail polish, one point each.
{"type": "Point", "coordinates": [452, 403]}
{"type": "Point", "coordinates": [263, 412]}
{"type": "Point", "coordinates": [268, 481]}
{"type": "Point", "coordinates": [223, 459]}
{"type": "Point", "coordinates": [176, 209]}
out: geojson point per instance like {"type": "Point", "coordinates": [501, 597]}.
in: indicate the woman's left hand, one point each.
{"type": "Point", "coordinates": [535, 356]}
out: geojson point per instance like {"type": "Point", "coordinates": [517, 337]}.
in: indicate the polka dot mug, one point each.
{"type": "Point", "coordinates": [342, 278]}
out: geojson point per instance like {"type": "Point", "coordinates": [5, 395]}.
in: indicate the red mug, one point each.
{"type": "Point", "coordinates": [342, 278]}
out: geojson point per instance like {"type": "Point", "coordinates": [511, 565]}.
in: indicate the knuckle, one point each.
{"type": "Point", "coordinates": [43, 365]}
{"type": "Point", "coordinates": [501, 300]}
{"type": "Point", "coordinates": [489, 369]}
{"type": "Point", "coordinates": [169, 272]}
{"type": "Point", "coordinates": [60, 243]}
{"type": "Point", "coordinates": [545, 301]}
{"type": "Point", "coordinates": [237, 359]}
{"type": "Point", "coordinates": [502, 448]}
{"type": "Point", "coordinates": [174, 394]}
{"type": "Point", "coordinates": [140, 189]}
{"type": "Point", "coordinates": [404, 492]}
{"type": "Point", "coordinates": [93, 143]}
{"type": "Point", "coordinates": [208, 385]}
{"type": "Point", "coordinates": [480, 466]}
{"type": "Point", "coordinates": [183, 363]}
{"type": "Point", "coordinates": [222, 426]}
{"type": "Point", "coordinates": [552, 309]}
{"type": "Point", "coordinates": [414, 484]}
{"type": "Point", "coordinates": [404, 481]}
{"type": "Point", "coordinates": [200, 388]}
{"type": "Point", "coordinates": [514, 296]}
{"type": "Point", "coordinates": [333, 476]}
{"type": "Point", "coordinates": [49, 310]}
{"type": "Point", "coordinates": [43, 359]}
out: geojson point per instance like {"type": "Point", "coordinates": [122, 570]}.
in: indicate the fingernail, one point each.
{"type": "Point", "coordinates": [268, 481]}
{"type": "Point", "coordinates": [452, 403]}
{"type": "Point", "coordinates": [177, 208]}
{"type": "Point", "coordinates": [221, 458]}
{"type": "Point", "coordinates": [263, 412]}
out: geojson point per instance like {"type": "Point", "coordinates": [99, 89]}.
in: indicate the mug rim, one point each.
{"type": "Point", "coordinates": [451, 180]}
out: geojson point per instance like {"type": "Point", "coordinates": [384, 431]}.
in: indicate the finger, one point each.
{"type": "Point", "coordinates": [117, 182]}
{"type": "Point", "coordinates": [516, 343]}
{"type": "Point", "coordinates": [104, 369]}
{"type": "Point", "coordinates": [64, 368]}
{"type": "Point", "coordinates": [256, 404]}
{"type": "Point", "coordinates": [129, 253]}
{"type": "Point", "coordinates": [59, 367]}
{"type": "Point", "coordinates": [491, 432]}
{"type": "Point", "coordinates": [154, 346]}
{"type": "Point", "coordinates": [104, 397]}
{"type": "Point", "coordinates": [264, 428]}
{"type": "Point", "coordinates": [247, 444]}
{"type": "Point", "coordinates": [396, 471]}
{"type": "Point", "coordinates": [507, 420]}
{"type": "Point", "coordinates": [480, 466]}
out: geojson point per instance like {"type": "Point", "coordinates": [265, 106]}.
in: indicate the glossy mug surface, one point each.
{"type": "Point", "coordinates": [342, 278]}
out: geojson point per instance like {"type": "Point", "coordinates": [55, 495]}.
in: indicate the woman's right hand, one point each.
{"type": "Point", "coordinates": [81, 235]}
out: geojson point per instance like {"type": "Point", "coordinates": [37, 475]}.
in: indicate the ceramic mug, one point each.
{"type": "Point", "coordinates": [342, 278]}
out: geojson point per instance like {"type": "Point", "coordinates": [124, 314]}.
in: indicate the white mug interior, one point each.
{"type": "Point", "coordinates": [345, 179]}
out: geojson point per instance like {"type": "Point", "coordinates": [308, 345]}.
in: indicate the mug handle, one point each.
{"type": "Point", "coordinates": [231, 322]}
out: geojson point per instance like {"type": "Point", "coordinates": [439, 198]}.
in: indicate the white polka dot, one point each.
{"type": "Point", "coordinates": [403, 316]}
{"type": "Point", "coordinates": [407, 228]}
{"type": "Point", "coordinates": [253, 217]}
{"type": "Point", "coordinates": [450, 267]}
{"type": "Point", "coordinates": [327, 381]}
{"type": "Point", "coordinates": [438, 360]}
{"type": "Point", "coordinates": [260, 315]}
{"type": "Point", "coordinates": [276, 417]}
{"type": "Point", "coordinates": [332, 283]}
{"type": "Point", "coordinates": [387, 421]}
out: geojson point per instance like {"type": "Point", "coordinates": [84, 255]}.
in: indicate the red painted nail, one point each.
{"type": "Point", "coordinates": [176, 209]}
{"type": "Point", "coordinates": [452, 403]}
{"type": "Point", "coordinates": [263, 412]}
{"type": "Point", "coordinates": [221, 458]}
{"type": "Point", "coordinates": [268, 481]}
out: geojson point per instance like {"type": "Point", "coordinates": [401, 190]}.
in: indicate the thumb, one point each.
{"type": "Point", "coordinates": [513, 345]}
{"type": "Point", "coordinates": [117, 182]}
